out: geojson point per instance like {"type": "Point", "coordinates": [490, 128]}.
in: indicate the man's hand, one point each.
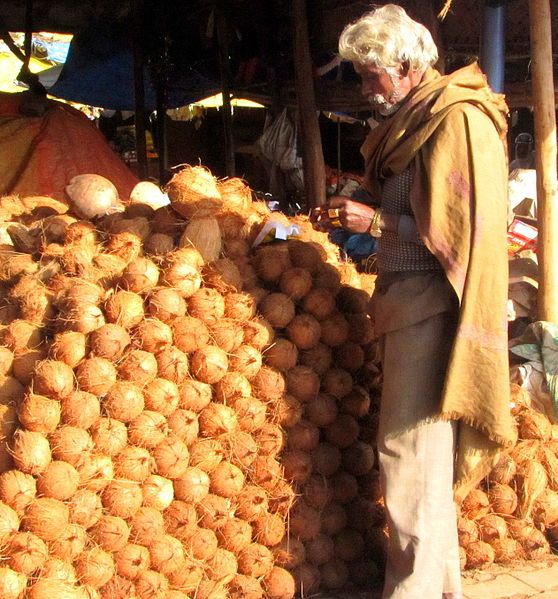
{"type": "Point", "coordinates": [343, 212]}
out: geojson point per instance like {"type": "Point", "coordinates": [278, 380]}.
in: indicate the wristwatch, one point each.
{"type": "Point", "coordinates": [374, 229]}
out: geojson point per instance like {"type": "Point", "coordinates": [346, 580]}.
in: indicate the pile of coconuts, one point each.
{"type": "Point", "coordinates": [513, 515]}
{"type": "Point", "coordinates": [183, 414]}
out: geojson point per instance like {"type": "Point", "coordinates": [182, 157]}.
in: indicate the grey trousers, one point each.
{"type": "Point", "coordinates": [416, 455]}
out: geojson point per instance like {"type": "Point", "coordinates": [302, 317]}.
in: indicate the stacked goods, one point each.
{"type": "Point", "coordinates": [513, 515]}
{"type": "Point", "coordinates": [182, 416]}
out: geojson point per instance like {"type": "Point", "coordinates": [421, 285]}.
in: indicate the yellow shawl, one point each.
{"type": "Point", "coordinates": [451, 130]}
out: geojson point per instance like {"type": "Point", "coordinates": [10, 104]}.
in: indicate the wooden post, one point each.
{"type": "Point", "coordinates": [545, 157]}
{"type": "Point", "coordinates": [222, 40]}
{"type": "Point", "coordinates": [312, 152]}
{"type": "Point", "coordinates": [139, 91]}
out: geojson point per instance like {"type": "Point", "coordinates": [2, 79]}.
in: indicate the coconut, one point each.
{"type": "Point", "coordinates": [82, 318]}
{"type": "Point", "coordinates": [25, 552]}
{"type": "Point", "coordinates": [20, 335]}
{"type": "Point", "coordinates": [326, 458]}
{"type": "Point", "coordinates": [189, 333]}
{"type": "Point", "coordinates": [110, 533]}
{"type": "Point", "coordinates": [480, 555]}
{"type": "Point", "coordinates": [141, 275]}
{"type": "Point", "coordinates": [333, 519]}
{"type": "Point", "coordinates": [124, 308]}
{"type": "Point", "coordinates": [146, 525]}
{"type": "Point", "coordinates": [157, 492]}
{"type": "Point", "coordinates": [241, 449]}
{"type": "Point", "coordinates": [12, 583]}
{"type": "Point", "coordinates": [357, 402]}
{"type": "Point", "coordinates": [282, 496]}
{"type": "Point", "coordinates": [59, 481]}
{"type": "Point", "coordinates": [349, 356]}
{"type": "Point", "coordinates": [475, 505]}
{"type": "Point", "coordinates": [246, 360]}
{"type": "Point", "coordinates": [244, 587]}
{"type": "Point", "coordinates": [303, 435]}
{"type": "Point", "coordinates": [282, 355]}
{"type": "Point", "coordinates": [85, 508]}
{"type": "Point", "coordinates": [255, 560]}
{"type": "Point", "coordinates": [171, 457]}
{"type": "Point", "coordinates": [207, 304]}
{"type": "Point", "coordinates": [240, 306]}
{"type": "Point", "coordinates": [17, 490]}
{"type": "Point", "coordinates": [278, 309]}
{"type": "Point", "coordinates": [184, 425]}
{"type": "Point", "coordinates": [226, 480]}
{"type": "Point", "coordinates": [25, 363]}
{"type": "Point", "coordinates": [152, 335]}
{"type": "Point", "coordinates": [344, 486]}
{"type": "Point", "coordinates": [502, 499]}
{"type": "Point", "coordinates": [358, 458]}
{"type": "Point", "coordinates": [270, 439]}
{"type": "Point", "coordinates": [122, 498]}
{"type": "Point", "coordinates": [506, 550]}
{"type": "Point", "coordinates": [303, 382]}
{"type": "Point", "coordinates": [81, 409]}
{"type": "Point", "coordinates": [206, 454]}
{"type": "Point", "coordinates": [192, 486]}
{"type": "Point", "coordinates": [467, 530]}
{"type": "Point", "coordinates": [287, 411]}
{"type": "Point", "coordinates": [124, 401]}
{"type": "Point", "coordinates": [6, 361]}
{"type": "Point", "coordinates": [268, 384]}
{"type": "Point", "coordinates": [180, 519]}
{"type": "Point", "coordinates": [227, 335]}
{"type": "Point", "coordinates": [236, 194]}
{"type": "Point", "coordinates": [337, 382]}
{"type": "Point", "coordinates": [361, 329]}
{"type": "Point", "coordinates": [30, 451]}
{"type": "Point", "coordinates": [258, 333]}
{"type": "Point", "coordinates": [161, 395]}
{"type": "Point", "coordinates": [181, 270]}
{"type": "Point", "coordinates": [307, 578]}
{"type": "Point", "coordinates": [194, 395]}
{"type": "Point", "coordinates": [213, 511]}
{"type": "Point", "coordinates": [131, 560]}
{"type": "Point", "coordinates": [266, 472]}
{"type": "Point", "coordinates": [251, 502]}
{"type": "Point", "coordinates": [39, 413]}
{"type": "Point", "coordinates": [217, 419]}
{"type": "Point", "coordinates": [109, 341]}
{"type": "Point", "coordinates": [9, 522]}
{"type": "Point", "coordinates": [133, 463]}
{"type": "Point", "coordinates": [533, 425]}
{"type": "Point", "coordinates": [319, 358]}
{"type": "Point", "coordinates": [297, 465]}
{"type": "Point", "coordinates": [295, 282]}
{"type": "Point", "coordinates": [53, 379]}
{"type": "Point", "coordinates": [224, 275]}
{"type": "Point", "coordinates": [209, 364]}
{"type": "Point", "coordinates": [172, 364]}
{"type": "Point", "coordinates": [365, 514]}
{"type": "Point", "coordinates": [504, 471]}
{"type": "Point", "coordinates": [69, 544]}
{"type": "Point", "coordinates": [531, 480]}
{"type": "Point", "coordinates": [269, 529]}
{"type": "Point", "coordinates": [193, 192]}
{"type": "Point", "coordinates": [202, 545]}
{"type": "Point", "coordinates": [166, 304]}
{"type": "Point", "coordinates": [95, 471]}
{"type": "Point", "coordinates": [69, 347]}
{"type": "Point", "coordinates": [334, 574]}
{"type": "Point", "coordinates": [545, 509]}
{"type": "Point", "coordinates": [148, 429]}
{"type": "Point", "coordinates": [322, 410]}
{"type": "Point", "coordinates": [138, 366]}
{"type": "Point", "coordinates": [535, 545]}
{"type": "Point", "coordinates": [109, 435]}
{"type": "Point", "coordinates": [317, 491]}
{"type": "Point", "coordinates": [94, 567]}
{"type": "Point", "coordinates": [231, 387]}
{"type": "Point", "coordinates": [96, 375]}
{"type": "Point", "coordinates": [491, 528]}
{"type": "Point", "coordinates": [289, 553]}
{"type": "Point", "coordinates": [159, 244]}
{"type": "Point", "coordinates": [166, 554]}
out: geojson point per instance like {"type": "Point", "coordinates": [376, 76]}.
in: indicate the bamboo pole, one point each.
{"type": "Point", "coordinates": [545, 157]}
{"type": "Point", "coordinates": [312, 152]}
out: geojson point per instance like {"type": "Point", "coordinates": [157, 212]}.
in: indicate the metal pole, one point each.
{"type": "Point", "coordinates": [493, 44]}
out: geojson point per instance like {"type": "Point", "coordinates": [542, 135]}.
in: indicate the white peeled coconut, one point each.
{"type": "Point", "coordinates": [147, 192]}
{"type": "Point", "coordinates": [93, 195]}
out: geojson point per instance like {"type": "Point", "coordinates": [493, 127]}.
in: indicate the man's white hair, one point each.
{"type": "Point", "coordinates": [387, 37]}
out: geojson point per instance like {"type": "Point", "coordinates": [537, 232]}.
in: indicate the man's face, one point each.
{"type": "Point", "coordinates": [384, 90]}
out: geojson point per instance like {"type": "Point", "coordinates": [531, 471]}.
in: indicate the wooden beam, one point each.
{"type": "Point", "coordinates": [312, 153]}
{"type": "Point", "coordinates": [545, 157]}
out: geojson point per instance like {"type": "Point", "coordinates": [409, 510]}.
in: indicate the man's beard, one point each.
{"type": "Point", "coordinates": [387, 106]}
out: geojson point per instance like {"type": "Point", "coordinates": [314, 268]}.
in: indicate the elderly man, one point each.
{"type": "Point", "coordinates": [437, 171]}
